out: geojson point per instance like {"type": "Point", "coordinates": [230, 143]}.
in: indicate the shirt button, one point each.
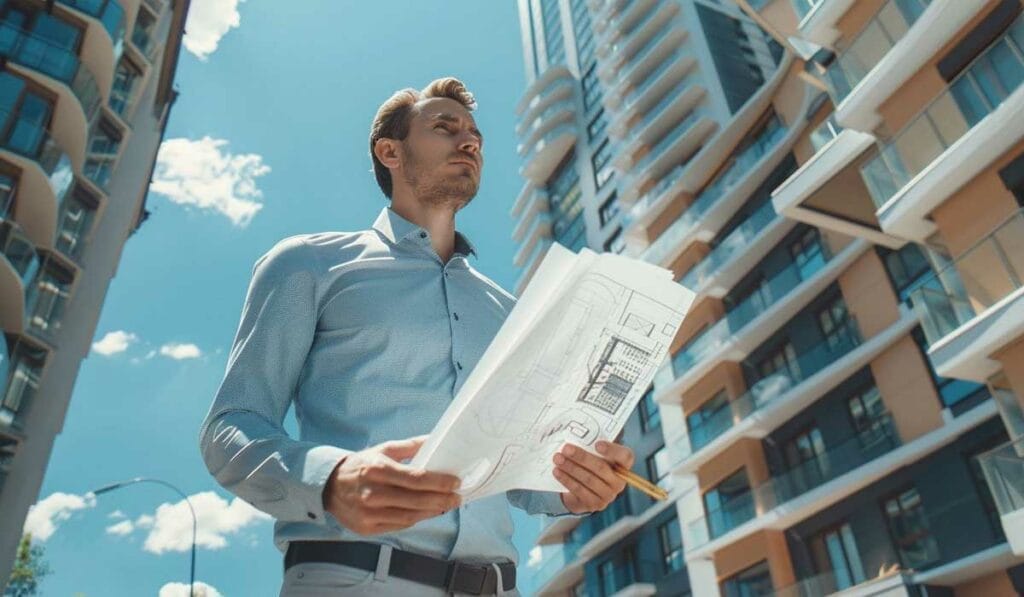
{"type": "Point", "coordinates": [459, 365]}
{"type": "Point", "coordinates": [423, 235]}
{"type": "Point", "coordinates": [456, 316]}
{"type": "Point", "coordinates": [311, 515]}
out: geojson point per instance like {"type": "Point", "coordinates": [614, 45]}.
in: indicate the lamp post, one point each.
{"type": "Point", "coordinates": [112, 487]}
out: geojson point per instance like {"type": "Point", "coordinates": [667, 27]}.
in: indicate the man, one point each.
{"type": "Point", "coordinates": [371, 334]}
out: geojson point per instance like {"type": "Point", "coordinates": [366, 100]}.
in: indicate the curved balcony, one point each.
{"type": "Point", "coordinates": [818, 19]}
{"type": "Point", "coordinates": [975, 305]}
{"type": "Point", "coordinates": [740, 174]}
{"type": "Point", "coordinates": [101, 52]}
{"type": "Point", "coordinates": [540, 228]}
{"type": "Point", "coordinates": [537, 205]}
{"type": "Point", "coordinates": [876, 440]}
{"type": "Point", "coordinates": [531, 200]}
{"type": "Point", "coordinates": [45, 301]}
{"type": "Point", "coordinates": [653, 53]}
{"type": "Point", "coordinates": [531, 264]}
{"type": "Point", "coordinates": [678, 101]}
{"type": "Point", "coordinates": [621, 24]}
{"type": "Point", "coordinates": [561, 112]}
{"type": "Point", "coordinates": [976, 119]}
{"type": "Point", "coordinates": [639, 32]}
{"type": "Point", "coordinates": [46, 177]}
{"type": "Point", "coordinates": [606, 13]}
{"type": "Point", "coordinates": [18, 267]}
{"type": "Point", "coordinates": [537, 91]}
{"type": "Point", "coordinates": [641, 98]}
{"type": "Point", "coordinates": [548, 152]}
{"type": "Point", "coordinates": [559, 91]}
{"type": "Point", "coordinates": [670, 154]}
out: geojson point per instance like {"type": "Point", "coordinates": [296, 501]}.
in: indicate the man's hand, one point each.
{"type": "Point", "coordinates": [371, 492]}
{"type": "Point", "coordinates": [591, 482]}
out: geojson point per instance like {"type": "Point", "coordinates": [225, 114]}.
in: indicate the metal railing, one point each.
{"type": "Point", "coordinates": [1004, 472]}
{"type": "Point", "coordinates": [974, 94]}
{"type": "Point", "coordinates": [985, 274]}
{"type": "Point", "coordinates": [825, 133]}
{"type": "Point", "coordinates": [806, 7]}
{"type": "Point", "coordinates": [879, 35]}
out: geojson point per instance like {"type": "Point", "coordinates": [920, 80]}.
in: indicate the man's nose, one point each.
{"type": "Point", "coordinates": [470, 143]}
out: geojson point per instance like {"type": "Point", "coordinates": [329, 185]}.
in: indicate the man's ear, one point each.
{"type": "Point", "coordinates": [388, 152]}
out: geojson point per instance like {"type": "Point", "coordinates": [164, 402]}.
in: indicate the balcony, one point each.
{"type": "Point", "coordinates": [530, 265]}
{"type": "Point", "coordinates": [561, 112]}
{"type": "Point", "coordinates": [1004, 472]}
{"type": "Point", "coordinates": [655, 86]}
{"type": "Point", "coordinates": [818, 18]}
{"type": "Point", "coordinates": [46, 176]}
{"type": "Point", "coordinates": [547, 153]}
{"type": "Point", "coordinates": [108, 12]}
{"type": "Point", "coordinates": [630, 579]}
{"type": "Point", "coordinates": [45, 302]}
{"type": "Point", "coordinates": [541, 90]}
{"type": "Point", "coordinates": [560, 91]}
{"type": "Point", "coordinates": [539, 229]}
{"type": "Point", "coordinates": [878, 439]}
{"type": "Point", "coordinates": [536, 203]}
{"type": "Point", "coordinates": [738, 174]}
{"type": "Point", "coordinates": [974, 306]}
{"type": "Point", "coordinates": [559, 571]}
{"type": "Point", "coordinates": [898, 41]}
{"type": "Point", "coordinates": [896, 584]}
{"type": "Point", "coordinates": [954, 138]}
{"type": "Point", "coordinates": [644, 63]}
{"type": "Point", "coordinates": [670, 154]}
{"type": "Point", "coordinates": [638, 34]}
{"type": "Point", "coordinates": [680, 100]}
{"type": "Point", "coordinates": [22, 382]}
{"type": "Point", "coordinates": [18, 268]}
{"type": "Point", "coordinates": [606, 13]}
{"type": "Point", "coordinates": [743, 241]}
{"type": "Point", "coordinates": [58, 63]}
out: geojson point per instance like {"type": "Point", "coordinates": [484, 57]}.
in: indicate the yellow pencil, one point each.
{"type": "Point", "coordinates": [634, 480]}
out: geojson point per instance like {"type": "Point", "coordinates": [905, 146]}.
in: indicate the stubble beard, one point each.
{"type": "Point", "coordinates": [438, 189]}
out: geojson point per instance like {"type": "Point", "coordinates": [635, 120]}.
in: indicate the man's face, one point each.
{"type": "Point", "coordinates": [443, 153]}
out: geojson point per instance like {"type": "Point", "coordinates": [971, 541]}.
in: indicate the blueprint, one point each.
{"type": "Point", "coordinates": [570, 363]}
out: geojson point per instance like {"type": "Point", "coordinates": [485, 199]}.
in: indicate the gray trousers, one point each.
{"type": "Point", "coordinates": [315, 579]}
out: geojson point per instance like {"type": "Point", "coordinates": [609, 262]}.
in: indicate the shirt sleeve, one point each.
{"type": "Point", "coordinates": [540, 502]}
{"type": "Point", "coordinates": [243, 442]}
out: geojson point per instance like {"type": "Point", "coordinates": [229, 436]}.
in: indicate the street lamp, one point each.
{"type": "Point", "coordinates": [112, 487]}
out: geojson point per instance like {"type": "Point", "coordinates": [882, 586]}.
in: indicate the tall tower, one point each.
{"type": "Point", "coordinates": [85, 92]}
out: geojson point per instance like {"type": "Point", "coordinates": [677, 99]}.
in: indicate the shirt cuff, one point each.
{"type": "Point", "coordinates": [552, 505]}
{"type": "Point", "coordinates": [320, 463]}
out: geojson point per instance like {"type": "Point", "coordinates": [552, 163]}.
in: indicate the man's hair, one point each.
{"type": "Point", "coordinates": [393, 117]}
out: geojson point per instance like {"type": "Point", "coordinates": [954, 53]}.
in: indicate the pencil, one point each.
{"type": "Point", "coordinates": [634, 480]}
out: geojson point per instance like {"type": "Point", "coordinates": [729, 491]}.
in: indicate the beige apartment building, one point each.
{"type": "Point", "coordinates": [86, 87]}
{"type": "Point", "coordinates": [839, 412]}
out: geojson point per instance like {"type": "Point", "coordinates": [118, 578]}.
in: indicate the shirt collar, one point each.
{"type": "Point", "coordinates": [395, 228]}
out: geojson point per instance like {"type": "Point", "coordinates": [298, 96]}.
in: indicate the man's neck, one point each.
{"type": "Point", "coordinates": [439, 221]}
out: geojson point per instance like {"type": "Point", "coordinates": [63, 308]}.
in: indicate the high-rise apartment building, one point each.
{"type": "Point", "coordinates": [85, 91]}
{"type": "Point", "coordinates": [838, 408]}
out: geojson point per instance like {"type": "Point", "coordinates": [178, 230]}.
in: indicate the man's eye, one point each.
{"type": "Point", "coordinates": [442, 127]}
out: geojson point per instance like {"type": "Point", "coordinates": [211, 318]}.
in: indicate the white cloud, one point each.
{"type": "Point", "coordinates": [114, 342]}
{"type": "Point", "coordinates": [117, 514]}
{"type": "Point", "coordinates": [180, 351]}
{"type": "Point", "coordinates": [208, 21]}
{"type": "Point", "coordinates": [170, 529]}
{"type": "Point", "coordinates": [535, 557]}
{"type": "Point", "coordinates": [180, 589]}
{"type": "Point", "coordinates": [125, 527]}
{"type": "Point", "coordinates": [44, 517]}
{"type": "Point", "coordinates": [150, 354]}
{"type": "Point", "coordinates": [204, 175]}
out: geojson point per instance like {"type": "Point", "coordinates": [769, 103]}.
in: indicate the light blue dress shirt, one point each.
{"type": "Point", "coordinates": [370, 335]}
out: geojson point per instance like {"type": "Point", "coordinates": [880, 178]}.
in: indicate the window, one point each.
{"type": "Point", "coordinates": [615, 244]}
{"type": "Point", "coordinates": [125, 78]}
{"type": "Point", "coordinates": [76, 218]}
{"type": "Point", "coordinates": [807, 254]}
{"type": "Point", "coordinates": [659, 468]}
{"type": "Point", "coordinates": [783, 361]}
{"type": "Point", "coordinates": [905, 267]}
{"type": "Point", "coordinates": [701, 422]}
{"type": "Point", "coordinates": [729, 504]}
{"type": "Point", "coordinates": [908, 526]}
{"type": "Point", "coordinates": [606, 574]}
{"type": "Point", "coordinates": [833, 323]}
{"type": "Point", "coordinates": [102, 155]}
{"type": "Point", "coordinates": [752, 582]}
{"type": "Point", "coordinates": [609, 209]}
{"type": "Point", "coordinates": [952, 391]}
{"type": "Point", "coordinates": [670, 535]}
{"type": "Point", "coordinates": [142, 35]}
{"type": "Point", "coordinates": [835, 551]}
{"type": "Point", "coordinates": [47, 298]}
{"type": "Point", "coordinates": [650, 416]}
{"type": "Point", "coordinates": [25, 114]}
{"type": "Point", "coordinates": [591, 88]}
{"type": "Point", "coordinates": [603, 172]}
{"type": "Point", "coordinates": [26, 367]}
{"type": "Point", "coordinates": [981, 485]}
{"type": "Point", "coordinates": [597, 125]}
{"type": "Point", "coordinates": [553, 38]}
{"type": "Point", "coordinates": [806, 459]}
{"type": "Point", "coordinates": [866, 408]}
{"type": "Point", "coordinates": [8, 188]}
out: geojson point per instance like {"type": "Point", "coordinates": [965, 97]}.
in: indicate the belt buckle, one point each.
{"type": "Point", "coordinates": [479, 573]}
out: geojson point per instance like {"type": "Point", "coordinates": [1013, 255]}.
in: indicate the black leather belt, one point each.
{"type": "Point", "coordinates": [453, 576]}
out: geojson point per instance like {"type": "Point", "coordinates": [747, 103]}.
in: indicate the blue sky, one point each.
{"type": "Point", "coordinates": [268, 139]}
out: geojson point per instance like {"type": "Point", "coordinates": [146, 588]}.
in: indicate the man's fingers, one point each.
{"type": "Point", "coordinates": [578, 489]}
{"type": "Point", "coordinates": [616, 453]}
{"type": "Point", "coordinates": [589, 478]}
{"type": "Point", "coordinates": [595, 464]}
{"type": "Point", "coordinates": [402, 449]}
{"type": "Point", "coordinates": [389, 496]}
{"type": "Point", "coordinates": [401, 475]}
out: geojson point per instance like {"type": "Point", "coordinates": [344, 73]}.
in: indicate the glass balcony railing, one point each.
{"type": "Point", "coordinates": [559, 558]}
{"type": "Point", "coordinates": [874, 41]}
{"type": "Point", "coordinates": [985, 274]}
{"type": "Point", "coordinates": [876, 440]}
{"type": "Point", "coordinates": [825, 133]}
{"type": "Point", "coordinates": [19, 251]}
{"type": "Point", "coordinates": [769, 388]}
{"type": "Point", "coordinates": [651, 79]}
{"type": "Point", "coordinates": [612, 580]}
{"type": "Point", "coordinates": [542, 119]}
{"type": "Point", "coordinates": [670, 139]}
{"type": "Point", "coordinates": [741, 166]}
{"type": "Point", "coordinates": [736, 241]}
{"type": "Point", "coordinates": [528, 115]}
{"type": "Point", "coordinates": [627, 36]}
{"type": "Point", "coordinates": [1004, 472]}
{"type": "Point", "coordinates": [767, 295]}
{"type": "Point", "coordinates": [646, 51]}
{"type": "Point", "coordinates": [30, 139]}
{"type": "Point", "coordinates": [806, 7]}
{"type": "Point", "coordinates": [975, 93]}
{"type": "Point", "coordinates": [31, 51]}
{"type": "Point", "coordinates": [545, 141]}
{"type": "Point", "coordinates": [157, 6]}
{"type": "Point", "coordinates": [108, 12]}
{"type": "Point", "coordinates": [45, 302]}
{"type": "Point", "coordinates": [541, 219]}
{"type": "Point", "coordinates": [25, 369]}
{"type": "Point", "coordinates": [656, 110]}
